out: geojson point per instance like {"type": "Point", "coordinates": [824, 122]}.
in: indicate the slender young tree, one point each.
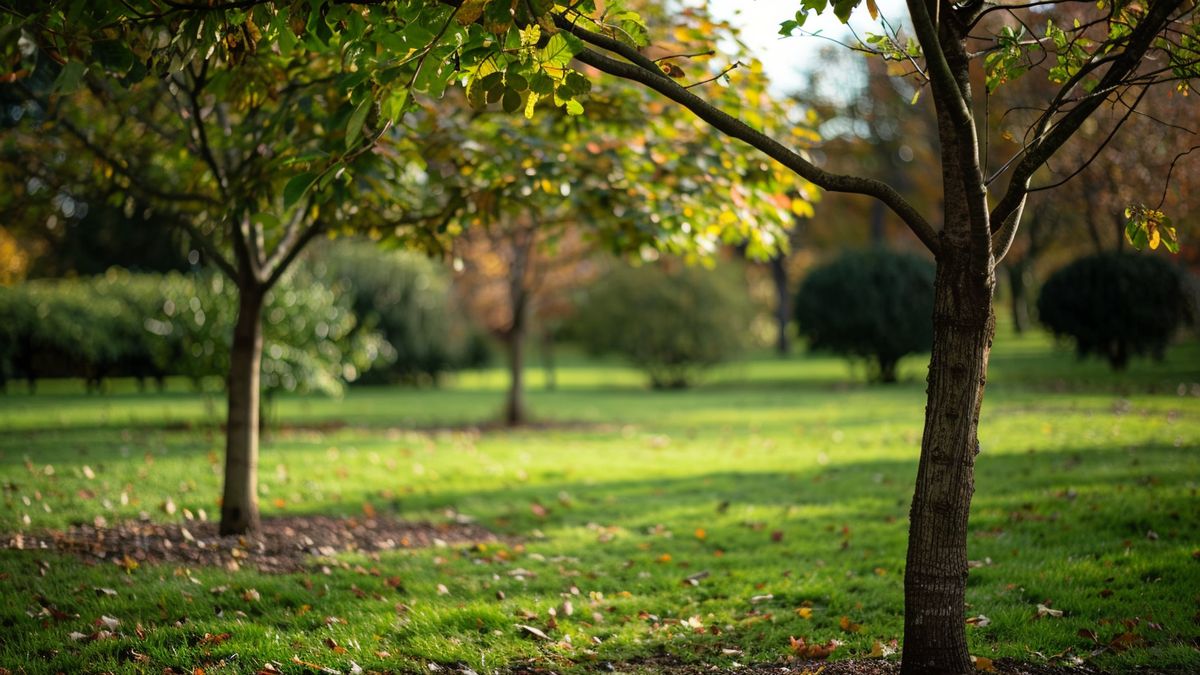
{"type": "Point", "coordinates": [253, 152]}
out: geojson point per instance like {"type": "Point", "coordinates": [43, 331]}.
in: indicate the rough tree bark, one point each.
{"type": "Point", "coordinates": [239, 504]}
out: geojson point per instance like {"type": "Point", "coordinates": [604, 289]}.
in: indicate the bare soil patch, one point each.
{"type": "Point", "coordinates": [282, 545]}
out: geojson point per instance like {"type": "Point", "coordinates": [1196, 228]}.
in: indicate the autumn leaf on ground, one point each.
{"type": "Point", "coordinates": [1043, 610]}
{"type": "Point", "coordinates": [983, 664]}
{"type": "Point", "coordinates": [332, 644]}
{"type": "Point", "coordinates": [695, 579]}
{"type": "Point", "coordinates": [804, 612]}
{"type": "Point", "coordinates": [210, 640]}
{"type": "Point", "coordinates": [979, 621]}
{"type": "Point", "coordinates": [880, 650]}
{"type": "Point", "coordinates": [539, 510]}
{"type": "Point", "coordinates": [535, 632]}
{"type": "Point", "coordinates": [848, 625]}
{"type": "Point", "coordinates": [801, 648]}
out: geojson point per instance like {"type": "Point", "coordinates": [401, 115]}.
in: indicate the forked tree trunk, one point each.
{"type": "Point", "coordinates": [935, 641]}
{"type": "Point", "coordinates": [239, 504]}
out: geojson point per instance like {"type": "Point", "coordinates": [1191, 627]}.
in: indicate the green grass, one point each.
{"type": "Point", "coordinates": [1078, 466]}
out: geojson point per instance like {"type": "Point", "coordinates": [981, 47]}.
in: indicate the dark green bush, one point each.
{"type": "Point", "coordinates": [671, 322]}
{"type": "Point", "coordinates": [407, 298]}
{"type": "Point", "coordinates": [1115, 305]}
{"type": "Point", "coordinates": [875, 305]}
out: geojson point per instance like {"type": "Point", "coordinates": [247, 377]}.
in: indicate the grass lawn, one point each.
{"type": "Point", "coordinates": [784, 484]}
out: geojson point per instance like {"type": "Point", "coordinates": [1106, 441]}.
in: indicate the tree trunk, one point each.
{"type": "Point", "coordinates": [514, 407]}
{"type": "Point", "coordinates": [783, 305]}
{"type": "Point", "coordinates": [1017, 273]}
{"type": "Point", "coordinates": [549, 366]}
{"type": "Point", "coordinates": [935, 641]}
{"type": "Point", "coordinates": [239, 505]}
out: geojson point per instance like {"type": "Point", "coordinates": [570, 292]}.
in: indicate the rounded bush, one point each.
{"type": "Point", "coordinates": [1115, 305]}
{"type": "Point", "coordinates": [672, 323]}
{"type": "Point", "coordinates": [875, 305]}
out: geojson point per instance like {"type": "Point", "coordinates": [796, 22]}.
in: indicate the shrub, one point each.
{"type": "Point", "coordinates": [407, 298]}
{"type": "Point", "coordinates": [151, 326]}
{"type": "Point", "coordinates": [671, 322]}
{"type": "Point", "coordinates": [1115, 305]}
{"type": "Point", "coordinates": [875, 305]}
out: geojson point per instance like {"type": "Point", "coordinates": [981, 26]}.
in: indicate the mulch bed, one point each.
{"type": "Point", "coordinates": [282, 545]}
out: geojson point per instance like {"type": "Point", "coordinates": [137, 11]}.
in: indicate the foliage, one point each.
{"type": "Point", "coordinates": [1115, 305]}
{"type": "Point", "coordinates": [873, 305]}
{"type": "Point", "coordinates": [407, 298]}
{"type": "Point", "coordinates": [127, 325]}
{"type": "Point", "coordinates": [670, 321]}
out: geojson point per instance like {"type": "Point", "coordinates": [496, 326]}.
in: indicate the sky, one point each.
{"type": "Point", "coordinates": [787, 59]}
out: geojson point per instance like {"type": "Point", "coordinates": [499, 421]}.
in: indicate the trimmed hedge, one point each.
{"type": "Point", "coordinates": [1115, 305]}
{"type": "Point", "coordinates": [875, 305]}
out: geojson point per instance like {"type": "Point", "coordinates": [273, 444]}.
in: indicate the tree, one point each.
{"type": "Point", "coordinates": [1115, 53]}
{"type": "Point", "coordinates": [1105, 57]}
{"type": "Point", "coordinates": [184, 112]}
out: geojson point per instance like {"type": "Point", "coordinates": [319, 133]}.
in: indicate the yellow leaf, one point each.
{"type": "Point", "coordinates": [804, 612]}
{"type": "Point", "coordinates": [1155, 237]}
{"type": "Point", "coordinates": [873, 9]}
{"type": "Point", "coordinates": [802, 208]}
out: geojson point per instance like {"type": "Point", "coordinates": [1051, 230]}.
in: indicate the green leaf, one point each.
{"type": "Point", "coordinates": [558, 52]}
{"type": "Point", "coordinates": [68, 80]}
{"type": "Point", "coordinates": [297, 186]}
{"type": "Point", "coordinates": [355, 124]}
{"type": "Point", "coordinates": [511, 101]}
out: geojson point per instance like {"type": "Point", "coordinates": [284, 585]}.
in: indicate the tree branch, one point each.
{"type": "Point", "coordinates": [1050, 141]}
{"type": "Point", "coordinates": [649, 75]}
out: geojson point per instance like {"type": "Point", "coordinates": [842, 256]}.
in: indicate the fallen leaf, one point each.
{"type": "Point", "coordinates": [801, 648]}
{"type": "Point", "coordinates": [1043, 610]}
{"type": "Point", "coordinates": [110, 622]}
{"type": "Point", "coordinates": [804, 612]}
{"type": "Point", "coordinates": [535, 632]}
{"type": "Point", "coordinates": [105, 591]}
{"type": "Point", "coordinates": [848, 625]}
{"type": "Point", "coordinates": [979, 621]}
{"type": "Point", "coordinates": [332, 644]}
{"type": "Point", "coordinates": [210, 640]}
{"type": "Point", "coordinates": [983, 664]}
{"type": "Point", "coordinates": [251, 595]}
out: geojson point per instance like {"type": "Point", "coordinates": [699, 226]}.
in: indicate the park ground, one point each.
{"type": "Point", "coordinates": [751, 520]}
